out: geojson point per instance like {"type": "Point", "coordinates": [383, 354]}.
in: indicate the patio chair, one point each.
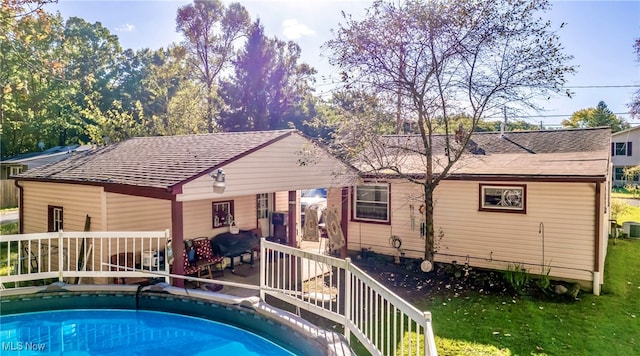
{"type": "Point", "coordinates": [206, 259]}
{"type": "Point", "coordinates": [190, 267]}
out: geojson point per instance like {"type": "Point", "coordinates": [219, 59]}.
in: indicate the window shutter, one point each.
{"type": "Point", "coordinates": [628, 148]}
{"type": "Point", "coordinates": [50, 219]}
{"type": "Point", "coordinates": [613, 149]}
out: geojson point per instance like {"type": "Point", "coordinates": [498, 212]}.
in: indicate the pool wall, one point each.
{"type": "Point", "coordinates": [286, 329]}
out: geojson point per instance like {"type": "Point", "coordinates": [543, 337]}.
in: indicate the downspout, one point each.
{"type": "Point", "coordinates": [598, 234]}
{"type": "Point", "coordinates": [20, 206]}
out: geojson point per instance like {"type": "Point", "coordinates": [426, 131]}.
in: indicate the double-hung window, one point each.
{"type": "Point", "coordinates": [621, 149]}
{"type": "Point", "coordinates": [371, 203]}
{"type": "Point", "coordinates": [54, 218]}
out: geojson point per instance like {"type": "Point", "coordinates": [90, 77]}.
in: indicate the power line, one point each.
{"type": "Point", "coordinates": [602, 86]}
{"type": "Point", "coordinates": [555, 115]}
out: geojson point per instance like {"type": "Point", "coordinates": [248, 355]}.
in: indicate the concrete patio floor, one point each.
{"type": "Point", "coordinates": [247, 274]}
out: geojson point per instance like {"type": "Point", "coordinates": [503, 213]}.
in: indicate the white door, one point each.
{"type": "Point", "coordinates": [264, 204]}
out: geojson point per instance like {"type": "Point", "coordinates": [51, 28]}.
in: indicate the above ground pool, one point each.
{"type": "Point", "coordinates": [117, 332]}
{"type": "Point", "coordinates": [155, 320]}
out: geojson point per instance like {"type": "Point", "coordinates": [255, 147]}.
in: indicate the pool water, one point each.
{"type": "Point", "coordinates": [130, 332]}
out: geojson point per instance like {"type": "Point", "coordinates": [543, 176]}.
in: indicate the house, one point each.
{"type": "Point", "coordinates": [625, 152]}
{"type": "Point", "coordinates": [193, 185]}
{"type": "Point", "coordinates": [16, 164]}
{"type": "Point", "coordinates": [532, 199]}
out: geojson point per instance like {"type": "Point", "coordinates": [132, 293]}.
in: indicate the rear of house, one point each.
{"type": "Point", "coordinates": [537, 200]}
{"type": "Point", "coordinates": [625, 153]}
{"type": "Point", "coordinates": [166, 183]}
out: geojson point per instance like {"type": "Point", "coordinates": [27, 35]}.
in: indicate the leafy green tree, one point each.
{"type": "Point", "coordinates": [211, 31]}
{"type": "Point", "coordinates": [268, 88]}
{"type": "Point", "coordinates": [445, 58]}
{"type": "Point", "coordinates": [30, 72]}
{"type": "Point", "coordinates": [596, 117]}
{"type": "Point", "coordinates": [174, 106]}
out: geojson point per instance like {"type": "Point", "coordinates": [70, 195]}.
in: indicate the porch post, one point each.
{"type": "Point", "coordinates": [177, 240]}
{"type": "Point", "coordinates": [294, 276]}
{"type": "Point", "coordinates": [344, 220]}
{"type": "Point", "coordinates": [291, 232]}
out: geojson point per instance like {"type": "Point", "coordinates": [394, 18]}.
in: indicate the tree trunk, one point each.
{"type": "Point", "coordinates": [429, 236]}
{"type": "Point", "coordinates": [209, 113]}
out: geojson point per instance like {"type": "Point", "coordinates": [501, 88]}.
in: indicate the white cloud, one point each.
{"type": "Point", "coordinates": [293, 30]}
{"type": "Point", "coordinates": [125, 28]}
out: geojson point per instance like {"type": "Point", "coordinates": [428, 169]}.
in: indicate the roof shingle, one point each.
{"type": "Point", "coordinates": [567, 152]}
{"type": "Point", "coordinates": [159, 162]}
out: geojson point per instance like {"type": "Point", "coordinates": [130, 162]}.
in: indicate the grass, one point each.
{"type": "Point", "coordinates": [630, 213]}
{"type": "Point", "coordinates": [9, 228]}
{"type": "Point", "coordinates": [496, 325]}
{"type": "Point", "coordinates": [623, 192]}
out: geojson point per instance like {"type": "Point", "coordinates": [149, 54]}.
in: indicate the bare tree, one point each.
{"type": "Point", "coordinates": [446, 58]}
{"type": "Point", "coordinates": [635, 103]}
{"type": "Point", "coordinates": [211, 31]}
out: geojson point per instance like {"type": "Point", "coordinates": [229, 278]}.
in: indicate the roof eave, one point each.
{"type": "Point", "coordinates": [500, 177]}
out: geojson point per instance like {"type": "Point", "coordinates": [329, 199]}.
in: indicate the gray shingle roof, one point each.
{"type": "Point", "coordinates": [535, 142]}
{"type": "Point", "coordinates": [567, 152]}
{"type": "Point", "coordinates": [159, 162]}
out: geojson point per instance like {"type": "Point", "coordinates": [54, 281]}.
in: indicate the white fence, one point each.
{"type": "Point", "coordinates": [339, 291]}
{"type": "Point", "coordinates": [330, 287]}
{"type": "Point", "coordinates": [80, 255]}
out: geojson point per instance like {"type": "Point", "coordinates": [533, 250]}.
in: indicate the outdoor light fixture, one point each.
{"type": "Point", "coordinates": [218, 181]}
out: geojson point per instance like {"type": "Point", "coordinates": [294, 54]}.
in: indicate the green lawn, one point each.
{"type": "Point", "coordinates": [593, 325]}
{"type": "Point", "coordinates": [625, 193]}
{"type": "Point", "coordinates": [630, 213]}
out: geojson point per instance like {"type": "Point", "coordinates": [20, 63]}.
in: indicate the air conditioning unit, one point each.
{"type": "Point", "coordinates": [631, 229]}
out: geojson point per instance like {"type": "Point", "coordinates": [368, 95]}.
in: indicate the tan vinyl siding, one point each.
{"type": "Point", "coordinates": [77, 202]}
{"type": "Point", "coordinates": [278, 167]}
{"type": "Point", "coordinates": [281, 201]}
{"type": "Point", "coordinates": [198, 216]}
{"type": "Point", "coordinates": [133, 213]}
{"type": "Point", "coordinates": [494, 239]}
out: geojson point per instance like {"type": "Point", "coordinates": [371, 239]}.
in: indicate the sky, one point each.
{"type": "Point", "coordinates": [599, 34]}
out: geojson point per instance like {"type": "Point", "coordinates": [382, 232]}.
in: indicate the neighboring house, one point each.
{"type": "Point", "coordinates": [158, 183]}
{"type": "Point", "coordinates": [17, 164]}
{"type": "Point", "coordinates": [625, 152]}
{"type": "Point", "coordinates": [532, 199]}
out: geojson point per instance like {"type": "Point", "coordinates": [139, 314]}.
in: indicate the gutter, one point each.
{"type": "Point", "coordinates": [20, 206]}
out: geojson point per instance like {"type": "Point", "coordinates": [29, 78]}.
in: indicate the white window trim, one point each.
{"type": "Point", "coordinates": [262, 208]}
{"type": "Point", "coordinates": [387, 203]}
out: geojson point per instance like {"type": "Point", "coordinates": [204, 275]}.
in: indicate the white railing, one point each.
{"type": "Point", "coordinates": [330, 287]}
{"type": "Point", "coordinates": [339, 291]}
{"type": "Point", "coordinates": [82, 255]}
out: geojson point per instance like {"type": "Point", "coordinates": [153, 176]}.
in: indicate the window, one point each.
{"type": "Point", "coordinates": [371, 203]}
{"type": "Point", "coordinates": [262, 204]}
{"type": "Point", "coordinates": [55, 218]}
{"type": "Point", "coordinates": [511, 198]}
{"type": "Point", "coordinates": [618, 173]}
{"type": "Point", "coordinates": [15, 170]}
{"type": "Point", "coordinates": [621, 148]}
{"type": "Point", "coordinates": [222, 213]}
